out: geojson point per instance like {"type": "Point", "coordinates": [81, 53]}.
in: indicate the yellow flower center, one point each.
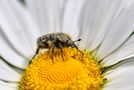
{"type": "Point", "coordinates": [73, 71]}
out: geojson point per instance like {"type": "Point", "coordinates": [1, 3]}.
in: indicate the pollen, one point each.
{"type": "Point", "coordinates": [69, 70]}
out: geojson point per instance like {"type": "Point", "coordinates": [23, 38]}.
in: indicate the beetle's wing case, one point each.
{"type": "Point", "coordinates": [63, 37]}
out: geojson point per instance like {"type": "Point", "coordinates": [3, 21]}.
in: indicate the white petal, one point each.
{"type": "Point", "coordinates": [121, 78]}
{"type": "Point", "coordinates": [47, 14]}
{"type": "Point", "coordinates": [119, 30]}
{"type": "Point", "coordinates": [95, 20]}
{"type": "Point", "coordinates": [11, 56]}
{"type": "Point", "coordinates": [71, 17]}
{"type": "Point", "coordinates": [7, 73]}
{"type": "Point", "coordinates": [124, 52]}
{"type": "Point", "coordinates": [18, 26]}
{"type": "Point", "coordinates": [8, 86]}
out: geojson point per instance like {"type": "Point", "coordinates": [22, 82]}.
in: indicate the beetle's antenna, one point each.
{"type": "Point", "coordinates": [77, 40]}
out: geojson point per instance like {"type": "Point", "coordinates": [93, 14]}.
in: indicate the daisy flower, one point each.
{"type": "Point", "coordinates": [105, 26]}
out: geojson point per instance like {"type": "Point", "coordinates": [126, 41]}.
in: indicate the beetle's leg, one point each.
{"type": "Point", "coordinates": [78, 49]}
{"type": "Point", "coordinates": [60, 47]}
{"type": "Point", "coordinates": [53, 53]}
{"type": "Point", "coordinates": [37, 51]}
{"type": "Point", "coordinates": [53, 50]}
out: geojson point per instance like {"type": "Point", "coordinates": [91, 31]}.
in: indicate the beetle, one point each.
{"type": "Point", "coordinates": [55, 40]}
